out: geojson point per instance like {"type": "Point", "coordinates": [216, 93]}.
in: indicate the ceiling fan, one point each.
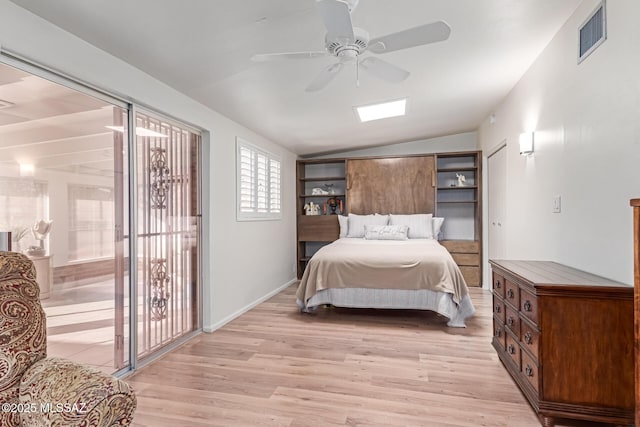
{"type": "Point", "coordinates": [347, 43]}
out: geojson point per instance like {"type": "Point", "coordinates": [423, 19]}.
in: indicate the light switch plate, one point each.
{"type": "Point", "coordinates": [557, 204]}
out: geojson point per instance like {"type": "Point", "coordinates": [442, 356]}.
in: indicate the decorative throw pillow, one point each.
{"type": "Point", "coordinates": [356, 223]}
{"type": "Point", "coordinates": [344, 225]}
{"type": "Point", "coordinates": [437, 225]}
{"type": "Point", "coordinates": [420, 225]}
{"type": "Point", "coordinates": [385, 232]}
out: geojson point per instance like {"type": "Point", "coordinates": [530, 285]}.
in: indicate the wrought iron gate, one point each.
{"type": "Point", "coordinates": [168, 228]}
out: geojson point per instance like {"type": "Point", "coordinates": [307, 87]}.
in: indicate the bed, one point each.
{"type": "Point", "coordinates": [390, 274]}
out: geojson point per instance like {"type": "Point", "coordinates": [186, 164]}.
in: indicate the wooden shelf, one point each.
{"type": "Point", "coordinates": [467, 187]}
{"type": "Point", "coordinates": [328, 178]}
{"type": "Point", "coordinates": [462, 169]}
{"type": "Point", "coordinates": [457, 201]}
{"type": "Point", "coordinates": [306, 196]}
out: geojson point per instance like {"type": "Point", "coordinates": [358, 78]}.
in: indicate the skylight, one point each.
{"type": "Point", "coordinates": [385, 110]}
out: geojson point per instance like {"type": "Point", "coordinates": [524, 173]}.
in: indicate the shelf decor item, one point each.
{"type": "Point", "coordinates": [319, 192]}
{"type": "Point", "coordinates": [311, 209]}
{"type": "Point", "coordinates": [333, 204]}
{"type": "Point", "coordinates": [461, 179]}
{"type": "Point", "coordinates": [40, 231]}
{"type": "Point", "coordinates": [17, 234]}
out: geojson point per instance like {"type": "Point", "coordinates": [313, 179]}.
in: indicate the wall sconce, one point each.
{"type": "Point", "coordinates": [526, 143]}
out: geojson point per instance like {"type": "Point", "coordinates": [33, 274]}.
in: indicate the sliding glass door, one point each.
{"type": "Point", "coordinates": [66, 175]}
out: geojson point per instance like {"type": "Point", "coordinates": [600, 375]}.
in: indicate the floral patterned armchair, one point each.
{"type": "Point", "coordinates": [40, 391]}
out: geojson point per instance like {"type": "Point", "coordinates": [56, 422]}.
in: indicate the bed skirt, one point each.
{"type": "Point", "coordinates": [422, 299]}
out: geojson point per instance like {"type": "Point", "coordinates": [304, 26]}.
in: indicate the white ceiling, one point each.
{"type": "Point", "coordinates": [203, 48]}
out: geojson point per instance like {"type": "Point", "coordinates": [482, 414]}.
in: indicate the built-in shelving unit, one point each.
{"type": "Point", "coordinates": [460, 205]}
{"type": "Point", "coordinates": [315, 231]}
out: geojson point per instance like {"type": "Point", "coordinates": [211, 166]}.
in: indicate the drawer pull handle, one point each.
{"type": "Point", "coordinates": [511, 294]}
{"type": "Point", "coordinates": [529, 371]}
{"type": "Point", "coordinates": [512, 349]}
{"type": "Point", "coordinates": [498, 284]}
{"type": "Point", "coordinates": [527, 305]}
{"type": "Point", "coordinates": [528, 338]}
{"type": "Point", "coordinates": [498, 332]}
{"type": "Point", "coordinates": [510, 321]}
{"type": "Point", "coordinates": [498, 308]}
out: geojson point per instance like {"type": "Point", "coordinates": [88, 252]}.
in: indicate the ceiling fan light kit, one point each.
{"type": "Point", "coordinates": [346, 43]}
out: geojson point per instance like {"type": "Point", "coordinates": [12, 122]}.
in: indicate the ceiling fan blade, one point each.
{"type": "Point", "coordinates": [383, 70]}
{"type": "Point", "coordinates": [323, 79]}
{"type": "Point", "coordinates": [265, 57]}
{"type": "Point", "coordinates": [417, 36]}
{"type": "Point", "coordinates": [337, 19]}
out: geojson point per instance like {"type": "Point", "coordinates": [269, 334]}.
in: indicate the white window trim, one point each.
{"type": "Point", "coordinates": [255, 216]}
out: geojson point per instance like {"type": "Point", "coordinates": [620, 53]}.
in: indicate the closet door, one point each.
{"type": "Point", "coordinates": [497, 175]}
{"type": "Point", "coordinates": [404, 185]}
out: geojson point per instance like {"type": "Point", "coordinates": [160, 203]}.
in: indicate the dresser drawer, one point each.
{"type": "Point", "coordinates": [530, 370]}
{"type": "Point", "coordinates": [318, 228]}
{"type": "Point", "coordinates": [472, 260]}
{"type": "Point", "coordinates": [471, 275]}
{"type": "Point", "coordinates": [498, 309]}
{"type": "Point", "coordinates": [529, 306]}
{"type": "Point", "coordinates": [529, 338]}
{"type": "Point", "coordinates": [513, 349]}
{"type": "Point", "coordinates": [512, 320]}
{"type": "Point", "coordinates": [499, 334]}
{"type": "Point", "coordinates": [462, 246]}
{"type": "Point", "coordinates": [512, 293]}
{"type": "Point", "coordinates": [498, 284]}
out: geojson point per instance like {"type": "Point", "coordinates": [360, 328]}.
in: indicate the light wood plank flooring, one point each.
{"type": "Point", "coordinates": [274, 366]}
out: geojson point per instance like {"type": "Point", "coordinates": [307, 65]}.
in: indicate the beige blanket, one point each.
{"type": "Point", "coordinates": [382, 264]}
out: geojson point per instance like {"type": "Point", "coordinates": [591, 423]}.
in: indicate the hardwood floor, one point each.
{"type": "Point", "coordinates": [274, 366]}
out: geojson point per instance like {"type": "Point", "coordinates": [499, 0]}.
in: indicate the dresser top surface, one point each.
{"type": "Point", "coordinates": [548, 273]}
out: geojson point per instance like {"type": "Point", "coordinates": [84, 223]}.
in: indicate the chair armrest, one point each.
{"type": "Point", "coordinates": [66, 393]}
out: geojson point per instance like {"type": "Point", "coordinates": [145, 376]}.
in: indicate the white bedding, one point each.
{"type": "Point", "coordinates": [410, 274]}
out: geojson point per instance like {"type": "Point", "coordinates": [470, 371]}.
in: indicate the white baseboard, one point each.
{"type": "Point", "coordinates": [229, 318]}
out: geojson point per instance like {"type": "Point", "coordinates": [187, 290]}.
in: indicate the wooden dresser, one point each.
{"type": "Point", "coordinates": [566, 338]}
{"type": "Point", "coordinates": [635, 203]}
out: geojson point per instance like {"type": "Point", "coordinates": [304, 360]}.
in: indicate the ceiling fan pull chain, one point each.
{"type": "Point", "coordinates": [357, 73]}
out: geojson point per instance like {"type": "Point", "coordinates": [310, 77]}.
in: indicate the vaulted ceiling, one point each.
{"type": "Point", "coordinates": [203, 49]}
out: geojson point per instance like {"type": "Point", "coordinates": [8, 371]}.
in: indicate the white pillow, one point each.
{"type": "Point", "coordinates": [420, 225]}
{"type": "Point", "coordinates": [437, 225]}
{"type": "Point", "coordinates": [356, 223]}
{"type": "Point", "coordinates": [385, 232]}
{"type": "Point", "coordinates": [344, 225]}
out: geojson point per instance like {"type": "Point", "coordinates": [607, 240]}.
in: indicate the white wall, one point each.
{"type": "Point", "coordinates": [586, 120]}
{"type": "Point", "coordinates": [244, 261]}
{"type": "Point", "coordinates": [467, 141]}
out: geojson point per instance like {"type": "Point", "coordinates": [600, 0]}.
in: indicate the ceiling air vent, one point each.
{"type": "Point", "coordinates": [593, 32]}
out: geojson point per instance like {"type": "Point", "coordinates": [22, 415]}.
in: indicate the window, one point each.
{"type": "Point", "coordinates": [22, 202]}
{"type": "Point", "coordinates": [258, 183]}
{"type": "Point", "coordinates": [91, 222]}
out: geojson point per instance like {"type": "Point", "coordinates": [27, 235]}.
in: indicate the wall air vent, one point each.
{"type": "Point", "coordinates": [593, 32]}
